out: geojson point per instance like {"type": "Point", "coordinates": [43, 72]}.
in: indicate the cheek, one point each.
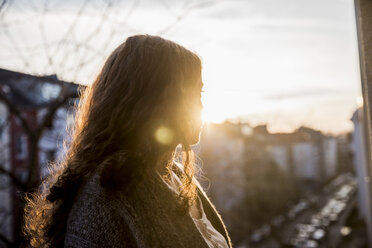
{"type": "Point", "coordinates": [197, 110]}
{"type": "Point", "coordinates": [198, 120]}
{"type": "Point", "coordinates": [193, 112]}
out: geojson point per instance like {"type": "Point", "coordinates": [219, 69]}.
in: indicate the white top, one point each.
{"type": "Point", "coordinates": [212, 237]}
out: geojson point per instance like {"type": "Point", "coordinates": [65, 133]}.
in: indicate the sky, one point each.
{"type": "Point", "coordinates": [284, 63]}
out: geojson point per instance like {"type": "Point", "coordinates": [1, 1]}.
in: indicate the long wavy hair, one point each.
{"type": "Point", "coordinates": [139, 108]}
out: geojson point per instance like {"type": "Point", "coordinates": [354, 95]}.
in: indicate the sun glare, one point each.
{"type": "Point", "coordinates": [213, 110]}
{"type": "Point", "coordinates": [212, 115]}
{"type": "Point", "coordinates": [221, 105]}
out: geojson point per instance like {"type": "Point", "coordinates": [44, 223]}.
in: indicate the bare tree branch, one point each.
{"type": "Point", "coordinates": [14, 110]}
{"type": "Point", "coordinates": [14, 178]}
{"type": "Point", "coordinates": [52, 109]}
{"type": "Point", "coordinates": [185, 12]}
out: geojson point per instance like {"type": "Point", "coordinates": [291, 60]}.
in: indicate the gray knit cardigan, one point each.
{"type": "Point", "coordinates": [145, 218]}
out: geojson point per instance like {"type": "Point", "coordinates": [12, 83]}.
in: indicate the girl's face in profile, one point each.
{"type": "Point", "coordinates": [196, 108]}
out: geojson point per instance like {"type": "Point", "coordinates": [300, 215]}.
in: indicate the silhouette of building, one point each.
{"type": "Point", "coordinates": [361, 165]}
{"type": "Point", "coordinates": [31, 96]}
{"type": "Point", "coordinates": [245, 164]}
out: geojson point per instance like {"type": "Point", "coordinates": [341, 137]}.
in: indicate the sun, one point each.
{"type": "Point", "coordinates": [213, 115]}
{"type": "Point", "coordinates": [222, 105]}
{"type": "Point", "coordinates": [217, 108]}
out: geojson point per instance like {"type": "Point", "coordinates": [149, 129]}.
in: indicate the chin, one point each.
{"type": "Point", "coordinates": [195, 137]}
{"type": "Point", "coordinates": [195, 140]}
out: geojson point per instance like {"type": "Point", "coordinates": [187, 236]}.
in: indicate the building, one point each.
{"type": "Point", "coordinates": [5, 183]}
{"type": "Point", "coordinates": [33, 97]}
{"type": "Point", "coordinates": [361, 164]}
{"type": "Point", "coordinates": [222, 151]}
{"type": "Point", "coordinates": [245, 165]}
{"type": "Point", "coordinates": [305, 154]}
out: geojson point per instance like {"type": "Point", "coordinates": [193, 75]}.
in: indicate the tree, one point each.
{"type": "Point", "coordinates": [10, 98]}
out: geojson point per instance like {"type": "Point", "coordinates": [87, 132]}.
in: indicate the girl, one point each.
{"type": "Point", "coordinates": [119, 184]}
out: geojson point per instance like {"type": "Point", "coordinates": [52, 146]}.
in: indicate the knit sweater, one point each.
{"type": "Point", "coordinates": [145, 218]}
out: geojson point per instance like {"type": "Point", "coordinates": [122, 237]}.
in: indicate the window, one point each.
{"type": "Point", "coordinates": [20, 146]}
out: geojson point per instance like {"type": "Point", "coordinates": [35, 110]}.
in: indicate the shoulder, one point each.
{"type": "Point", "coordinates": [92, 222]}
{"type": "Point", "coordinates": [210, 210]}
{"type": "Point", "coordinates": [212, 214]}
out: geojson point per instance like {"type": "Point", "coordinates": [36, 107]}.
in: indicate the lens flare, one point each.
{"type": "Point", "coordinates": [164, 135]}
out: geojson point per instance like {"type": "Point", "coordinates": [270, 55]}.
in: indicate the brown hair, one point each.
{"type": "Point", "coordinates": [146, 83]}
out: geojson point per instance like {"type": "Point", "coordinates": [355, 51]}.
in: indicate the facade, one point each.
{"type": "Point", "coordinates": [5, 184]}
{"type": "Point", "coordinates": [363, 10]}
{"type": "Point", "coordinates": [222, 148]}
{"type": "Point", "coordinates": [331, 151]}
{"type": "Point", "coordinates": [361, 165]}
{"type": "Point", "coordinates": [305, 154]}
{"type": "Point", "coordinates": [32, 96]}
{"type": "Point", "coordinates": [250, 169]}
{"type": "Point", "coordinates": [306, 160]}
